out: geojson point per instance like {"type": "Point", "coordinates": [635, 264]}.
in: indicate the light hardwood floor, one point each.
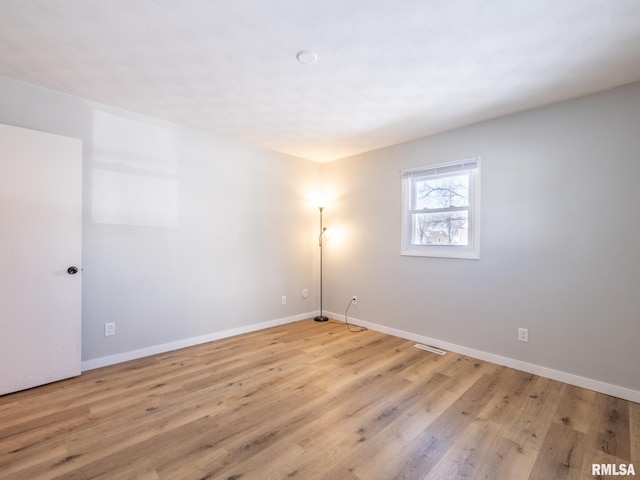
{"type": "Point", "coordinates": [308, 401]}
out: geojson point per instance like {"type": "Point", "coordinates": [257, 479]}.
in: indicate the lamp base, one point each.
{"type": "Point", "coordinates": [321, 318]}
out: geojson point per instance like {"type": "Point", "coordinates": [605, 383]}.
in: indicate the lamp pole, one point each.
{"type": "Point", "coordinates": [321, 317]}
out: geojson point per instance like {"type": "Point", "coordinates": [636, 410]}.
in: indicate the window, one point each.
{"type": "Point", "coordinates": [441, 210]}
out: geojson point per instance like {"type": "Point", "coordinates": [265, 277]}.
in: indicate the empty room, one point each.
{"type": "Point", "coordinates": [295, 239]}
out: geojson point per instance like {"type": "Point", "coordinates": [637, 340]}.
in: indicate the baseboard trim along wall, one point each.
{"type": "Point", "coordinates": [571, 379]}
{"type": "Point", "coordinates": [188, 342]}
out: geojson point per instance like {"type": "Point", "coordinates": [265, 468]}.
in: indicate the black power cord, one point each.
{"type": "Point", "coordinates": [346, 320]}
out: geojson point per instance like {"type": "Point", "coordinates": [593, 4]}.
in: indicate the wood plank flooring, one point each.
{"type": "Point", "coordinates": [308, 401]}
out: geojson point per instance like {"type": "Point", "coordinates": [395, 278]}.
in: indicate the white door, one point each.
{"type": "Point", "coordinates": [40, 239]}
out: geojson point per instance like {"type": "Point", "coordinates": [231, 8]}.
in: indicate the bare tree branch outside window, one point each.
{"type": "Point", "coordinates": [445, 203]}
{"type": "Point", "coordinates": [441, 210]}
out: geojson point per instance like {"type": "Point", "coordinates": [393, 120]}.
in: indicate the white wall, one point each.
{"type": "Point", "coordinates": [185, 233]}
{"type": "Point", "coordinates": [560, 242]}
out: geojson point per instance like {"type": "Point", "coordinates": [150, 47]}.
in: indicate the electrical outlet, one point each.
{"type": "Point", "coordinates": [109, 329]}
{"type": "Point", "coordinates": [354, 300]}
{"type": "Point", "coordinates": [283, 300]}
{"type": "Point", "coordinates": [523, 334]}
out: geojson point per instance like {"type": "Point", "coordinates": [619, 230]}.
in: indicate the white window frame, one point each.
{"type": "Point", "coordinates": [409, 177]}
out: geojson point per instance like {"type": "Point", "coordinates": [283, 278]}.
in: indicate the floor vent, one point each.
{"type": "Point", "coordinates": [430, 349]}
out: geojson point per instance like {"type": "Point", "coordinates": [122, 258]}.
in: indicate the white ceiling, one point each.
{"type": "Point", "coordinates": [389, 71]}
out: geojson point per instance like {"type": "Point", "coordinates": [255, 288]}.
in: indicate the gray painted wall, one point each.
{"type": "Point", "coordinates": [560, 240]}
{"type": "Point", "coordinates": [185, 233]}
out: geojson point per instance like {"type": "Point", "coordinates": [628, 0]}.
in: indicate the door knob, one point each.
{"type": "Point", "coordinates": [72, 270]}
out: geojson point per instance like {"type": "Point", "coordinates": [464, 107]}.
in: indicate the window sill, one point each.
{"type": "Point", "coordinates": [441, 252]}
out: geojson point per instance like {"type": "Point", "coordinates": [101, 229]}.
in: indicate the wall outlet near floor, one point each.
{"type": "Point", "coordinates": [354, 300]}
{"type": "Point", "coordinates": [109, 329]}
{"type": "Point", "coordinates": [523, 334]}
{"type": "Point", "coordinates": [283, 300]}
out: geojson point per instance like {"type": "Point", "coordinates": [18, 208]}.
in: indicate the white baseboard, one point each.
{"type": "Point", "coordinates": [571, 379]}
{"type": "Point", "coordinates": [188, 342]}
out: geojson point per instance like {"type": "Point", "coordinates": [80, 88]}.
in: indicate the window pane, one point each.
{"type": "Point", "coordinates": [443, 192]}
{"type": "Point", "coordinates": [449, 228]}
